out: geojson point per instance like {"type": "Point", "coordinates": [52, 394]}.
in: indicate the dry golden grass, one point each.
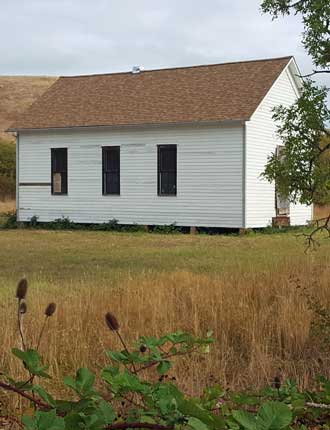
{"type": "Point", "coordinates": [7, 206]}
{"type": "Point", "coordinates": [16, 94]}
{"type": "Point", "coordinates": [241, 288]}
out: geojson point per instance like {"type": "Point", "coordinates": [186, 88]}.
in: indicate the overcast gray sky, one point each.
{"type": "Point", "coordinates": [66, 37]}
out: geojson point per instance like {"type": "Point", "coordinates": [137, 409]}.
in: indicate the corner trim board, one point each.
{"type": "Point", "coordinates": [17, 176]}
{"type": "Point", "coordinates": [244, 177]}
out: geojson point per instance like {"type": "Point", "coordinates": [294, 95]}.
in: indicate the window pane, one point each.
{"type": "Point", "coordinates": [112, 183]}
{"type": "Point", "coordinates": [167, 167]}
{"type": "Point", "coordinates": [59, 170]}
{"type": "Point", "coordinates": [111, 161]}
{"type": "Point", "coordinates": [168, 159]}
{"type": "Point", "coordinates": [60, 160]}
{"type": "Point", "coordinates": [168, 183]}
{"type": "Point", "coordinates": [111, 170]}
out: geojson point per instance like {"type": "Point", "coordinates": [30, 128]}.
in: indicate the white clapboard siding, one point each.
{"type": "Point", "coordinates": [209, 176]}
{"type": "Point", "coordinates": [261, 141]}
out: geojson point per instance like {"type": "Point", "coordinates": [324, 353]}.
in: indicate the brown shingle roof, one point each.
{"type": "Point", "coordinates": [223, 92]}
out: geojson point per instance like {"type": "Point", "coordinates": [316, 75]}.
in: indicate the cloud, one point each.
{"type": "Point", "coordinates": [65, 37]}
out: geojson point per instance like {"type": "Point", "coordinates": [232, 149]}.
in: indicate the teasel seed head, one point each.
{"type": "Point", "coordinates": [277, 382]}
{"type": "Point", "coordinates": [50, 309]}
{"type": "Point", "coordinates": [22, 308]}
{"type": "Point", "coordinates": [21, 289]}
{"type": "Point", "coordinates": [143, 348]}
{"type": "Point", "coordinates": [112, 321]}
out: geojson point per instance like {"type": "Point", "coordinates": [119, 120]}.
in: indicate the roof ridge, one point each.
{"type": "Point", "coordinates": [179, 67]}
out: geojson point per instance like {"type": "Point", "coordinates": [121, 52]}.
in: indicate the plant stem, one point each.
{"type": "Point", "coordinates": [42, 332]}
{"type": "Point", "coordinates": [35, 401]}
{"type": "Point", "coordinates": [20, 328]}
{"type": "Point", "coordinates": [125, 347]}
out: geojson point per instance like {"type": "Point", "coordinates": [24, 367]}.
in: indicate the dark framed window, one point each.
{"type": "Point", "coordinates": [167, 170]}
{"type": "Point", "coordinates": [59, 162]}
{"type": "Point", "coordinates": [111, 170]}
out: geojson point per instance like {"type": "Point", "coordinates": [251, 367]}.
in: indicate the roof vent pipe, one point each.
{"type": "Point", "coordinates": [136, 70]}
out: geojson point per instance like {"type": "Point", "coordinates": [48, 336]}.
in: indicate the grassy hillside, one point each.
{"type": "Point", "coordinates": [16, 94]}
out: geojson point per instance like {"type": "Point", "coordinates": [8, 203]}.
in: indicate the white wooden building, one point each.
{"type": "Point", "coordinates": [184, 145]}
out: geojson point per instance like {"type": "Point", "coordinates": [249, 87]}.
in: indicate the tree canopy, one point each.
{"type": "Point", "coordinates": [302, 173]}
{"type": "Point", "coordinates": [316, 18]}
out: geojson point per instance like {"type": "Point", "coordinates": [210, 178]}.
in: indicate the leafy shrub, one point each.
{"type": "Point", "coordinates": [7, 169]}
{"type": "Point", "coordinates": [34, 221]}
{"type": "Point", "coordinates": [7, 159]}
{"type": "Point", "coordinates": [63, 223]}
{"type": "Point", "coordinates": [320, 322]}
{"type": "Point", "coordinates": [8, 220]}
{"type": "Point", "coordinates": [166, 229]}
{"type": "Point", "coordinates": [7, 187]}
{"type": "Point", "coordinates": [111, 225]}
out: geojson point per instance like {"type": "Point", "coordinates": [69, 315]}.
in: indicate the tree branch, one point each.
{"type": "Point", "coordinates": [21, 393]}
{"type": "Point", "coordinates": [297, 3]}
{"type": "Point", "coordinates": [317, 405]}
{"type": "Point", "coordinates": [322, 224]}
{"type": "Point", "coordinates": [315, 72]}
{"type": "Point", "coordinates": [119, 426]}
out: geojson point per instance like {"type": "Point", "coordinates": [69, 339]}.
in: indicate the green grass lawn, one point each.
{"type": "Point", "coordinates": [71, 256]}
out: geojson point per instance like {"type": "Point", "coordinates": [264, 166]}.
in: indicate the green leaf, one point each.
{"type": "Point", "coordinates": [29, 422]}
{"type": "Point", "coordinates": [123, 382]}
{"type": "Point", "coordinates": [191, 408]}
{"type": "Point", "coordinates": [83, 383]}
{"type": "Point", "coordinates": [273, 416]}
{"type": "Point", "coordinates": [163, 367]}
{"type": "Point", "coordinates": [232, 424]}
{"type": "Point", "coordinates": [298, 404]}
{"type": "Point", "coordinates": [107, 411]}
{"type": "Point", "coordinates": [85, 380]}
{"type": "Point", "coordinates": [147, 419]}
{"type": "Point", "coordinates": [74, 421]}
{"type": "Point", "coordinates": [117, 356]}
{"type": "Point", "coordinates": [44, 395]}
{"type": "Point", "coordinates": [245, 419]}
{"type": "Point", "coordinates": [44, 421]}
{"type": "Point", "coordinates": [245, 399]}
{"type": "Point", "coordinates": [197, 424]}
{"type": "Point", "coordinates": [32, 361]}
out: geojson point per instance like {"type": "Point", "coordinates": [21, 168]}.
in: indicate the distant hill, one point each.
{"type": "Point", "coordinates": [16, 94]}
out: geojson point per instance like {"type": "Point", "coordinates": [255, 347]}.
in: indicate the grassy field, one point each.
{"type": "Point", "coordinates": [242, 288]}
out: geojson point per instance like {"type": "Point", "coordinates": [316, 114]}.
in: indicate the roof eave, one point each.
{"type": "Point", "coordinates": [121, 126]}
